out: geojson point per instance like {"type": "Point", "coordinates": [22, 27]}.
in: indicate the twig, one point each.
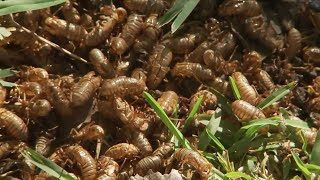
{"type": "Point", "coordinates": [74, 56]}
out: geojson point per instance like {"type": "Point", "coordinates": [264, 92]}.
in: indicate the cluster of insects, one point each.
{"type": "Point", "coordinates": [91, 118]}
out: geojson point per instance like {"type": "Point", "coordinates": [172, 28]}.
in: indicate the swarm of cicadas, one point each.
{"type": "Point", "coordinates": [92, 119]}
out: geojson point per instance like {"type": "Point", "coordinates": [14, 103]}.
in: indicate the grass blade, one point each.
{"type": "Point", "coordinates": [265, 147]}
{"type": "Point", "coordinates": [171, 13]}
{"type": "Point", "coordinates": [46, 165]}
{"type": "Point", "coordinates": [165, 119]}
{"type": "Point", "coordinates": [313, 168]}
{"type": "Point", "coordinates": [217, 175]}
{"type": "Point", "coordinates": [315, 154]}
{"type": "Point", "coordinates": [186, 11]}
{"type": "Point", "coordinates": [234, 88]}
{"type": "Point", "coordinates": [29, 7]}
{"type": "Point", "coordinates": [224, 160]}
{"type": "Point", "coordinates": [242, 145]}
{"type": "Point", "coordinates": [296, 177]}
{"type": "Point", "coordinates": [286, 168]}
{"type": "Point", "coordinates": [284, 113]}
{"type": "Point", "coordinates": [209, 156]}
{"type": "Point", "coordinates": [285, 116]}
{"type": "Point", "coordinates": [260, 122]}
{"type": "Point", "coordinates": [301, 165]}
{"type": "Point", "coordinates": [212, 127]}
{"type": "Point", "coordinates": [270, 143]}
{"type": "Point", "coordinates": [7, 84]}
{"type": "Point", "coordinates": [6, 73]}
{"type": "Point", "coordinates": [19, 2]}
{"type": "Point", "coordinates": [297, 123]}
{"type": "Point", "coordinates": [192, 113]}
{"type": "Point", "coordinates": [289, 127]}
{"type": "Point", "coordinates": [225, 134]}
{"type": "Point", "coordinates": [276, 95]}
{"type": "Point", "coordinates": [304, 141]}
{"type": "Point", "coordinates": [215, 140]}
{"type": "Point", "coordinates": [237, 175]}
{"type": "Point", "coordinates": [223, 102]}
{"type": "Point", "coordinates": [204, 140]}
{"type": "Point", "coordinates": [214, 123]}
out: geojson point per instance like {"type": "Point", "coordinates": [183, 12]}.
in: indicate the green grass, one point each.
{"type": "Point", "coordinates": [237, 175]}
{"type": "Point", "coordinates": [315, 154]}
{"type": "Point", "coordinates": [302, 167]}
{"type": "Point", "coordinates": [234, 88]}
{"type": "Point", "coordinates": [246, 150]}
{"type": "Point", "coordinates": [179, 12]}
{"type": "Point", "coordinates": [192, 113]}
{"type": "Point", "coordinates": [6, 73]}
{"type": "Point", "coordinates": [208, 134]}
{"type": "Point", "coordinates": [13, 6]}
{"type": "Point", "coordinates": [223, 102]}
{"type": "Point", "coordinates": [46, 165]}
{"type": "Point", "coordinates": [166, 120]}
{"type": "Point", "coordinates": [247, 139]}
{"type": "Point", "coordinates": [262, 122]}
{"type": "Point", "coordinates": [277, 95]}
{"type": "Point", "coordinates": [176, 132]}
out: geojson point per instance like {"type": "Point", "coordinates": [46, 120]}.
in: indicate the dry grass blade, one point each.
{"type": "Point", "coordinates": [4, 32]}
{"type": "Point", "coordinates": [225, 161]}
{"type": "Point", "coordinates": [74, 56]}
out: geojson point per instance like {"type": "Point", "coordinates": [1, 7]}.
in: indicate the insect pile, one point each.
{"type": "Point", "coordinates": [92, 119]}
